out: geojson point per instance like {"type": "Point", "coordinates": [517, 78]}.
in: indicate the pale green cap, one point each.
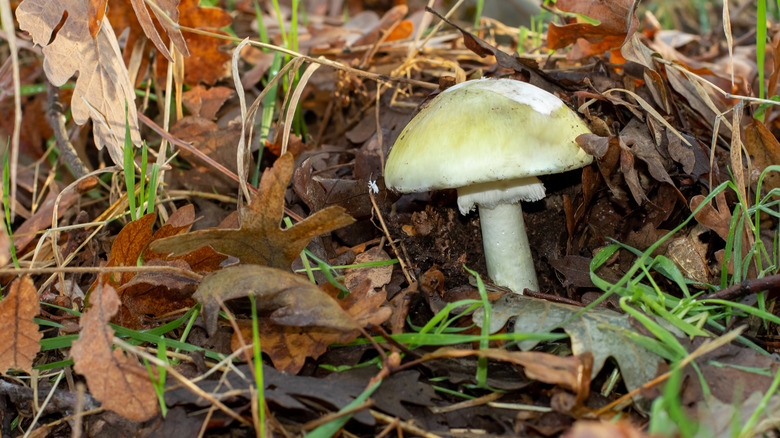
{"type": "Point", "coordinates": [483, 131]}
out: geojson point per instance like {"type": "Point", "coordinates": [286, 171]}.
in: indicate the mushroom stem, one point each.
{"type": "Point", "coordinates": [507, 252]}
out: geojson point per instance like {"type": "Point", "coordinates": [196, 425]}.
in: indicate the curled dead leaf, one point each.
{"type": "Point", "coordinates": [21, 339]}
{"type": "Point", "coordinates": [260, 240]}
{"type": "Point", "coordinates": [103, 87]}
{"type": "Point", "coordinates": [290, 299]}
{"type": "Point", "coordinates": [120, 383]}
{"type": "Point", "coordinates": [289, 346]}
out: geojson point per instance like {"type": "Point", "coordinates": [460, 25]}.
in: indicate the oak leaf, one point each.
{"type": "Point", "coordinates": [154, 293]}
{"type": "Point", "coordinates": [103, 86]}
{"type": "Point", "coordinates": [599, 331]}
{"type": "Point", "coordinates": [21, 339]}
{"type": "Point", "coordinates": [260, 240]}
{"type": "Point", "coordinates": [120, 383]}
{"type": "Point", "coordinates": [289, 345]}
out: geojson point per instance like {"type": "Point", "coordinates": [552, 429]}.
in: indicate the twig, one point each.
{"type": "Point", "coordinates": [102, 270]}
{"type": "Point", "coordinates": [405, 425]}
{"type": "Point", "coordinates": [551, 298]}
{"type": "Point", "coordinates": [57, 122]}
{"type": "Point", "coordinates": [336, 415]}
{"type": "Point", "coordinates": [409, 277]}
{"type": "Point", "coordinates": [744, 288]}
{"type": "Point", "coordinates": [61, 401]}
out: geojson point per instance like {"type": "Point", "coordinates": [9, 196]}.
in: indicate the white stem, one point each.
{"type": "Point", "coordinates": [507, 253]}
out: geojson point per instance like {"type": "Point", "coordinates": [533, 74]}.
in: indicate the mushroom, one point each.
{"type": "Point", "coordinates": [490, 139]}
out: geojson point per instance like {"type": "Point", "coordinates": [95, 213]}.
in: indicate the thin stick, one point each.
{"type": "Point", "coordinates": [409, 277]}
{"type": "Point", "coordinates": [405, 425]}
{"type": "Point", "coordinates": [744, 288]}
{"type": "Point", "coordinates": [102, 270]}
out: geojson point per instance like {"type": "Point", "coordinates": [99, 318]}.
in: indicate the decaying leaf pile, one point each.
{"type": "Point", "coordinates": [225, 224]}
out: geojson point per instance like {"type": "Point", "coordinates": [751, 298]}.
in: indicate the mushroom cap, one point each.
{"type": "Point", "coordinates": [482, 131]}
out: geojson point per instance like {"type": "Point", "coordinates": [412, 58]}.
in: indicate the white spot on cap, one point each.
{"type": "Point", "coordinates": [521, 92]}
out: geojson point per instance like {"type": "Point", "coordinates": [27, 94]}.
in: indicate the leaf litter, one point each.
{"type": "Point", "coordinates": [667, 134]}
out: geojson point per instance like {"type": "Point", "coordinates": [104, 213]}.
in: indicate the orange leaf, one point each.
{"type": "Point", "coordinates": [21, 339]}
{"type": "Point", "coordinates": [260, 240]}
{"type": "Point", "coordinates": [617, 22]}
{"type": "Point", "coordinates": [206, 63]}
{"type": "Point", "coordinates": [154, 293]}
{"type": "Point", "coordinates": [127, 247]}
{"type": "Point", "coordinates": [120, 383]}
{"type": "Point", "coordinates": [96, 11]}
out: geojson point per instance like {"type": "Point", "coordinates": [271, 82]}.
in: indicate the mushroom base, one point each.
{"type": "Point", "coordinates": [507, 252]}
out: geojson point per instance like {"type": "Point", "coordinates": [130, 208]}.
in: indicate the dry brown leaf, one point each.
{"type": "Point", "coordinates": [41, 220]}
{"type": "Point", "coordinates": [717, 220]}
{"type": "Point", "coordinates": [260, 240]}
{"type": "Point", "coordinates": [764, 150]}
{"type": "Point", "coordinates": [217, 143]}
{"type": "Point", "coordinates": [572, 372]}
{"type": "Point", "coordinates": [207, 63]}
{"type": "Point", "coordinates": [21, 339]}
{"type": "Point", "coordinates": [378, 276]}
{"type": "Point", "coordinates": [205, 102]}
{"type": "Point", "coordinates": [290, 299]}
{"type": "Point", "coordinates": [617, 22]}
{"type": "Point", "coordinates": [103, 86]}
{"type": "Point", "coordinates": [153, 293]}
{"type": "Point", "coordinates": [170, 8]}
{"type": "Point", "coordinates": [289, 346]}
{"type": "Point", "coordinates": [603, 429]}
{"type": "Point", "coordinates": [120, 383]}
{"type": "Point", "coordinates": [97, 11]}
{"type": "Point", "coordinates": [127, 247]}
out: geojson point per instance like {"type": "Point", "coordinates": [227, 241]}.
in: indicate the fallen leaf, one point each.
{"type": "Point", "coordinates": [617, 19]}
{"type": "Point", "coordinates": [103, 87]}
{"type": "Point", "coordinates": [288, 345]}
{"type": "Point", "coordinates": [378, 276]}
{"type": "Point", "coordinates": [205, 102]}
{"type": "Point", "coordinates": [689, 253]}
{"type": "Point", "coordinates": [572, 372]}
{"type": "Point", "coordinates": [170, 9]}
{"type": "Point", "coordinates": [21, 339]}
{"type": "Point", "coordinates": [260, 240]}
{"type": "Point", "coordinates": [718, 220]}
{"type": "Point", "coordinates": [219, 144]}
{"type": "Point", "coordinates": [96, 10]}
{"type": "Point", "coordinates": [207, 63]}
{"type": "Point", "coordinates": [391, 21]}
{"type": "Point", "coordinates": [718, 417]}
{"type": "Point", "coordinates": [764, 150]}
{"type": "Point", "coordinates": [5, 247]}
{"type": "Point", "coordinates": [120, 383]}
{"type": "Point", "coordinates": [597, 331]}
{"type": "Point", "coordinates": [290, 299]}
{"type": "Point", "coordinates": [282, 389]}
{"type": "Point", "coordinates": [127, 248]}
{"type": "Point", "coordinates": [41, 220]}
{"type": "Point", "coordinates": [153, 293]}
